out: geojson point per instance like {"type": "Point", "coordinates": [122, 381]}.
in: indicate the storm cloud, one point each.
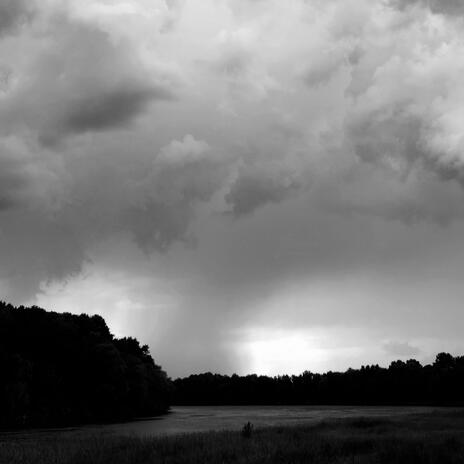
{"type": "Point", "coordinates": [235, 172]}
{"type": "Point", "coordinates": [81, 82]}
{"type": "Point", "coordinates": [13, 14]}
{"type": "Point", "coordinates": [255, 188]}
{"type": "Point", "coordinates": [446, 7]}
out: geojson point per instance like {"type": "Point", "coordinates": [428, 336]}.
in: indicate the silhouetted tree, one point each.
{"type": "Point", "coordinates": [63, 368]}
{"type": "Point", "coordinates": [441, 383]}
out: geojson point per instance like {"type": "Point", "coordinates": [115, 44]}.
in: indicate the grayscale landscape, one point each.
{"type": "Point", "coordinates": [231, 231]}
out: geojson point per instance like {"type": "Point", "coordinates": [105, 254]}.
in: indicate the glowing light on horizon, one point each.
{"type": "Point", "coordinates": [275, 352]}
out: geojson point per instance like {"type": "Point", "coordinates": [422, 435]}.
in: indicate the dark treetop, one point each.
{"type": "Point", "coordinates": [59, 369]}
{"type": "Point", "coordinates": [441, 383]}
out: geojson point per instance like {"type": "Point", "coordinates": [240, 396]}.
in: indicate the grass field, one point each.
{"type": "Point", "coordinates": [436, 438]}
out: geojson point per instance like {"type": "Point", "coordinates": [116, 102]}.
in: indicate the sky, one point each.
{"type": "Point", "coordinates": [244, 185]}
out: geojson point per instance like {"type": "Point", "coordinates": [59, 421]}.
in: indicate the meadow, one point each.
{"type": "Point", "coordinates": [431, 438]}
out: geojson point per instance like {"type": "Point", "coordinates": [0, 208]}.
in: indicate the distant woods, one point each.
{"type": "Point", "coordinates": [402, 383]}
{"type": "Point", "coordinates": [60, 369]}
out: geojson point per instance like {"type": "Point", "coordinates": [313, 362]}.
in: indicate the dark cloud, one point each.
{"type": "Point", "coordinates": [157, 225]}
{"type": "Point", "coordinates": [12, 181]}
{"type": "Point", "coordinates": [416, 182]}
{"type": "Point", "coordinates": [109, 109]}
{"type": "Point", "coordinates": [24, 179]}
{"type": "Point", "coordinates": [233, 63]}
{"type": "Point", "coordinates": [184, 173]}
{"type": "Point", "coordinates": [14, 13]}
{"type": "Point", "coordinates": [389, 136]}
{"type": "Point", "coordinates": [323, 69]}
{"type": "Point", "coordinates": [257, 187]}
{"type": "Point", "coordinates": [5, 77]}
{"type": "Point", "coordinates": [84, 82]}
{"type": "Point", "coordinates": [411, 131]}
{"type": "Point", "coordinates": [397, 139]}
{"type": "Point", "coordinates": [37, 249]}
{"type": "Point", "coordinates": [448, 7]}
{"type": "Point", "coordinates": [445, 7]}
{"type": "Point", "coordinates": [325, 65]}
{"type": "Point", "coordinates": [36, 245]}
{"type": "Point", "coordinates": [375, 144]}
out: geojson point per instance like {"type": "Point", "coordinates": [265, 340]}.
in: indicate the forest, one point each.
{"type": "Point", "coordinates": [402, 383]}
{"type": "Point", "coordinates": [62, 369]}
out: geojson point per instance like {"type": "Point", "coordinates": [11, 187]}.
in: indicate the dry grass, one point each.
{"type": "Point", "coordinates": [429, 439]}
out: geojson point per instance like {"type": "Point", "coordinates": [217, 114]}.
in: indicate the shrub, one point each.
{"type": "Point", "coordinates": [247, 430]}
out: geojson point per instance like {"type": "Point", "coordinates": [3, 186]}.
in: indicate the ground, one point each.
{"type": "Point", "coordinates": [433, 438]}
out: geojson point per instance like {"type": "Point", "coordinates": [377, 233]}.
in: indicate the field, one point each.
{"type": "Point", "coordinates": [435, 438]}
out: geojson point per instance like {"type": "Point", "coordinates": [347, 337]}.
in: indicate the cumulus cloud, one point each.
{"type": "Point", "coordinates": [446, 7]}
{"type": "Point", "coordinates": [392, 106]}
{"type": "Point", "coordinates": [236, 60]}
{"type": "Point", "coordinates": [26, 181]}
{"type": "Point", "coordinates": [36, 249]}
{"type": "Point", "coordinates": [321, 72]}
{"type": "Point", "coordinates": [183, 173]}
{"type": "Point", "coordinates": [402, 140]}
{"type": "Point", "coordinates": [107, 109]}
{"type": "Point", "coordinates": [148, 123]}
{"type": "Point", "coordinates": [82, 82]}
{"type": "Point", "coordinates": [14, 13]}
{"type": "Point", "coordinates": [12, 180]}
{"type": "Point", "coordinates": [183, 152]}
{"type": "Point", "coordinates": [77, 78]}
{"type": "Point", "coordinates": [156, 225]}
{"type": "Point", "coordinates": [174, 14]}
{"type": "Point", "coordinates": [405, 115]}
{"type": "Point", "coordinates": [421, 197]}
{"type": "Point", "coordinates": [256, 186]}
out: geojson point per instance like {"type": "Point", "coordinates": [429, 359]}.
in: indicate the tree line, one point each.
{"type": "Point", "coordinates": [60, 369]}
{"type": "Point", "coordinates": [402, 383]}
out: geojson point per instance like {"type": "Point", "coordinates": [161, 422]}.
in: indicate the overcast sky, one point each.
{"type": "Point", "coordinates": [246, 185]}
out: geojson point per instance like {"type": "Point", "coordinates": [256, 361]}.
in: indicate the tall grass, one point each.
{"type": "Point", "coordinates": [426, 439]}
